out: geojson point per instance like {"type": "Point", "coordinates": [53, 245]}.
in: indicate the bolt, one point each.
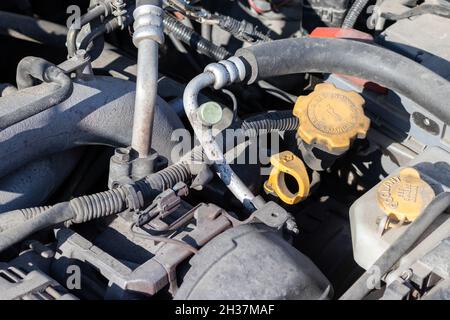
{"type": "Point", "coordinates": [119, 11]}
{"type": "Point", "coordinates": [406, 274]}
{"type": "Point", "coordinates": [81, 53]}
{"type": "Point", "coordinates": [210, 113]}
{"type": "Point", "coordinates": [122, 154]}
{"type": "Point", "coordinates": [291, 225]}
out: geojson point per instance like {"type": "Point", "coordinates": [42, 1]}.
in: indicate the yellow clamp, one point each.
{"type": "Point", "coordinates": [287, 163]}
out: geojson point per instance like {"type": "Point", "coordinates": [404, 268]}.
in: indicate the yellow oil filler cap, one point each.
{"type": "Point", "coordinates": [287, 163]}
{"type": "Point", "coordinates": [404, 196]}
{"type": "Point", "coordinates": [331, 118]}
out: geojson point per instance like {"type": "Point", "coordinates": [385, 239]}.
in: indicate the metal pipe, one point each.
{"type": "Point", "coordinates": [207, 141]}
{"type": "Point", "coordinates": [147, 37]}
{"type": "Point", "coordinates": [146, 91]}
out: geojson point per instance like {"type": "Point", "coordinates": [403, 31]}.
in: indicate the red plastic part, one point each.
{"type": "Point", "coordinates": [323, 32]}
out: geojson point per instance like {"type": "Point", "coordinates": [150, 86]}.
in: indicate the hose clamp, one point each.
{"type": "Point", "coordinates": [148, 24]}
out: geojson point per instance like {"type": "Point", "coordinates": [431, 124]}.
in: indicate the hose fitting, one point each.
{"type": "Point", "coordinates": [227, 72]}
{"type": "Point", "coordinates": [148, 24]}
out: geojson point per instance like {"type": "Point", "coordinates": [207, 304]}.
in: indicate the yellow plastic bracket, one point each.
{"type": "Point", "coordinates": [287, 163]}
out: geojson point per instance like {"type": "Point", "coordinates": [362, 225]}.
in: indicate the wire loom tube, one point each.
{"type": "Point", "coordinates": [269, 122]}
{"type": "Point", "coordinates": [360, 288]}
{"type": "Point", "coordinates": [366, 61]}
{"type": "Point", "coordinates": [54, 215]}
{"type": "Point", "coordinates": [353, 13]}
{"type": "Point", "coordinates": [88, 208]}
{"type": "Point", "coordinates": [193, 39]}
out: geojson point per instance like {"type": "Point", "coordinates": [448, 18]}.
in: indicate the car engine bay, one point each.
{"type": "Point", "coordinates": [225, 150]}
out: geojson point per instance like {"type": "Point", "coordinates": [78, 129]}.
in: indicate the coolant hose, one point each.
{"type": "Point", "coordinates": [353, 13]}
{"type": "Point", "coordinates": [354, 58]}
{"type": "Point", "coordinates": [385, 262]}
{"type": "Point", "coordinates": [28, 69]}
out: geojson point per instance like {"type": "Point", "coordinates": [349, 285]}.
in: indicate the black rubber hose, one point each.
{"type": "Point", "coordinates": [105, 28]}
{"type": "Point", "coordinates": [359, 59]}
{"type": "Point", "coordinates": [23, 223]}
{"type": "Point", "coordinates": [353, 13]}
{"type": "Point", "coordinates": [206, 47]}
{"type": "Point", "coordinates": [263, 123]}
{"type": "Point", "coordinates": [98, 205]}
{"type": "Point", "coordinates": [109, 26]}
{"type": "Point", "coordinates": [74, 29]}
{"type": "Point", "coordinates": [77, 210]}
{"type": "Point", "coordinates": [29, 69]}
{"type": "Point", "coordinates": [193, 39]}
{"type": "Point", "coordinates": [384, 263]}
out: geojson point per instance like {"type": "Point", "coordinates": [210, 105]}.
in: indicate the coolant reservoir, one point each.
{"type": "Point", "coordinates": [383, 213]}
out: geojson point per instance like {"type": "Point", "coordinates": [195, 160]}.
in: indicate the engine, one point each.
{"type": "Point", "coordinates": [236, 150]}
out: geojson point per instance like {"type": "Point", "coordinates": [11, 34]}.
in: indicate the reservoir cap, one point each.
{"type": "Point", "coordinates": [331, 118]}
{"type": "Point", "coordinates": [405, 195]}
